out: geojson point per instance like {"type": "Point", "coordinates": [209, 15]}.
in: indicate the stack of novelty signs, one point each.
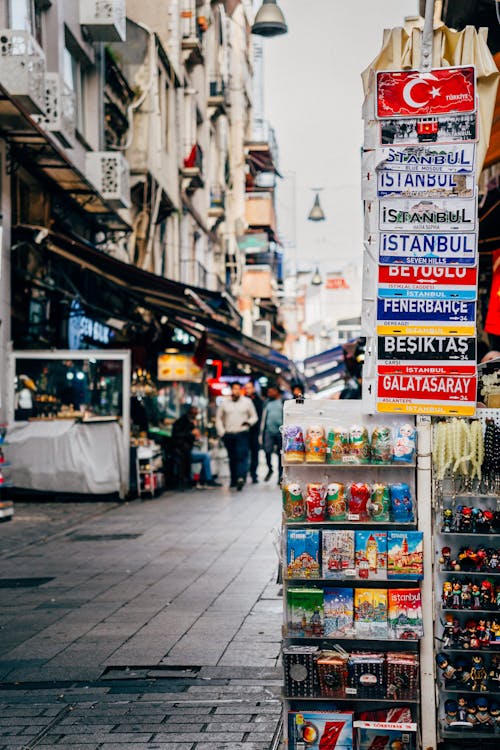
{"type": "Point", "coordinates": [420, 261]}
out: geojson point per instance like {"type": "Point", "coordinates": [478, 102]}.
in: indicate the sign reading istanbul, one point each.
{"type": "Point", "coordinates": [410, 93]}
{"type": "Point", "coordinates": [421, 389]}
{"type": "Point", "coordinates": [429, 184]}
{"type": "Point", "coordinates": [428, 348]}
{"type": "Point", "coordinates": [426, 158]}
{"type": "Point", "coordinates": [427, 249]}
{"type": "Point", "coordinates": [413, 215]}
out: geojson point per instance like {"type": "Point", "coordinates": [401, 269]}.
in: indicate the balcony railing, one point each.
{"type": "Point", "coordinates": [59, 117]}
{"type": "Point", "coordinates": [193, 272]}
{"type": "Point", "coordinates": [109, 172]}
{"type": "Point", "coordinates": [22, 69]}
{"type": "Point", "coordinates": [105, 20]}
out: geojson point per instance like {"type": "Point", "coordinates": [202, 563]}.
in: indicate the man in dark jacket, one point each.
{"type": "Point", "coordinates": [254, 431]}
{"type": "Point", "coordinates": [185, 433]}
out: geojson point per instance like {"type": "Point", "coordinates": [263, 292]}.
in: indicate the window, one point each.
{"type": "Point", "coordinates": [21, 15]}
{"type": "Point", "coordinates": [74, 77]}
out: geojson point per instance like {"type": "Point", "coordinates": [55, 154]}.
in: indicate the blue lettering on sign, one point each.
{"type": "Point", "coordinates": [81, 327]}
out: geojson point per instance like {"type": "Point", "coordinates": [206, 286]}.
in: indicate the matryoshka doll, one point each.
{"type": "Point", "coordinates": [316, 445]}
{"type": "Point", "coordinates": [359, 445]}
{"type": "Point", "coordinates": [336, 503]}
{"type": "Point", "coordinates": [315, 501]}
{"type": "Point", "coordinates": [338, 445]}
{"type": "Point", "coordinates": [293, 444]}
{"type": "Point", "coordinates": [405, 444]}
{"type": "Point", "coordinates": [381, 445]}
{"type": "Point", "coordinates": [294, 504]}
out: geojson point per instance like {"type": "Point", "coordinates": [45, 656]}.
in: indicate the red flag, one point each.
{"type": "Point", "coordinates": [331, 735]}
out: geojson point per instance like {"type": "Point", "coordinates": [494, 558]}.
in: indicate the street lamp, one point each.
{"type": "Point", "coordinates": [269, 20]}
{"type": "Point", "coordinates": [316, 213]}
{"type": "Point", "coordinates": [317, 279]}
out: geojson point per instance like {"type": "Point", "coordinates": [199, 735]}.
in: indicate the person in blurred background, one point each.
{"type": "Point", "coordinates": [272, 420]}
{"type": "Point", "coordinates": [235, 416]}
{"type": "Point", "coordinates": [254, 431]}
{"type": "Point", "coordinates": [185, 434]}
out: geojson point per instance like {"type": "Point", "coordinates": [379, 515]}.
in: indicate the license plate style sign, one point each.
{"type": "Point", "coordinates": [426, 348]}
{"type": "Point", "coordinates": [455, 159]}
{"type": "Point", "coordinates": [407, 311]}
{"type": "Point", "coordinates": [427, 249]}
{"type": "Point", "coordinates": [430, 184]}
{"type": "Point", "coordinates": [410, 93]}
{"type": "Point", "coordinates": [440, 129]}
{"type": "Point", "coordinates": [427, 277]}
{"type": "Point", "coordinates": [428, 215]}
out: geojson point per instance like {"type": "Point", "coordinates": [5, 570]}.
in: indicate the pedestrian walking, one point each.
{"type": "Point", "coordinates": [235, 416]}
{"type": "Point", "coordinates": [254, 432]}
{"type": "Point", "coordinates": [272, 420]}
{"type": "Point", "coordinates": [185, 434]}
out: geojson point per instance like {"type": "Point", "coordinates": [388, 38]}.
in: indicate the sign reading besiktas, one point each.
{"type": "Point", "coordinates": [410, 93]}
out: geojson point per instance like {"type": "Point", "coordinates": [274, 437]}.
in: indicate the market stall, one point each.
{"type": "Point", "coordinates": [70, 421]}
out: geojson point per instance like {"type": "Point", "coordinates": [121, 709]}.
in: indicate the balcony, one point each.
{"type": "Point", "coordinates": [194, 273]}
{"type": "Point", "coordinates": [108, 171]}
{"type": "Point", "coordinates": [259, 211]}
{"type": "Point", "coordinates": [191, 34]}
{"type": "Point", "coordinates": [22, 69]}
{"type": "Point", "coordinates": [217, 97]}
{"type": "Point", "coordinates": [262, 148]}
{"type": "Point", "coordinates": [217, 202]}
{"type": "Point", "coordinates": [192, 170]}
{"type": "Point", "coordinates": [59, 117]}
{"type": "Point", "coordinates": [104, 20]}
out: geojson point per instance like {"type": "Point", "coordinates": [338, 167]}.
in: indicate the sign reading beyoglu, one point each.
{"type": "Point", "coordinates": [421, 217]}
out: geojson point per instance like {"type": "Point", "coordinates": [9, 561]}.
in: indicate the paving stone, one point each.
{"type": "Point", "coordinates": [199, 737]}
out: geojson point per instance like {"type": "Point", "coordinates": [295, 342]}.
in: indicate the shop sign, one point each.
{"type": "Point", "coordinates": [418, 184]}
{"type": "Point", "coordinates": [412, 93]}
{"type": "Point", "coordinates": [427, 249]}
{"type": "Point", "coordinates": [407, 311]}
{"type": "Point", "coordinates": [422, 389]}
{"type": "Point", "coordinates": [81, 328]}
{"type": "Point", "coordinates": [427, 348]}
{"type": "Point", "coordinates": [451, 158]}
{"type": "Point", "coordinates": [437, 129]}
{"type": "Point", "coordinates": [427, 277]}
{"type": "Point", "coordinates": [178, 367]}
{"type": "Point", "coordinates": [336, 282]}
{"type": "Point", "coordinates": [426, 215]}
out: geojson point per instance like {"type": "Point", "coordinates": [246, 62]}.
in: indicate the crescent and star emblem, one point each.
{"type": "Point", "coordinates": [409, 97]}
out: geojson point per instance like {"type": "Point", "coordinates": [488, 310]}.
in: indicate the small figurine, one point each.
{"type": "Point", "coordinates": [445, 559]}
{"type": "Point", "coordinates": [405, 445]}
{"type": "Point", "coordinates": [494, 674]}
{"type": "Point", "coordinates": [294, 505]}
{"type": "Point", "coordinates": [447, 521]}
{"type": "Point", "coordinates": [483, 715]}
{"type": "Point", "coordinates": [401, 503]}
{"type": "Point", "coordinates": [494, 631]}
{"type": "Point", "coordinates": [472, 713]}
{"type": "Point", "coordinates": [486, 594]}
{"type": "Point", "coordinates": [471, 639]}
{"type": "Point", "coordinates": [337, 445]}
{"type": "Point", "coordinates": [381, 445]}
{"type": "Point", "coordinates": [359, 445]}
{"type": "Point", "coordinates": [378, 505]}
{"type": "Point", "coordinates": [316, 445]}
{"type": "Point", "coordinates": [482, 631]}
{"type": "Point", "coordinates": [451, 712]}
{"type": "Point", "coordinates": [462, 676]}
{"type": "Point", "coordinates": [462, 707]}
{"type": "Point", "coordinates": [465, 596]}
{"type": "Point", "coordinates": [493, 560]}
{"type": "Point", "coordinates": [336, 503]}
{"type": "Point", "coordinates": [447, 594]}
{"type": "Point", "coordinates": [465, 523]}
{"type": "Point", "coordinates": [293, 444]}
{"type": "Point", "coordinates": [495, 716]}
{"type": "Point", "coordinates": [478, 674]}
{"type": "Point", "coordinates": [447, 632]}
{"type": "Point", "coordinates": [475, 596]}
{"type": "Point", "coordinates": [359, 497]}
{"type": "Point", "coordinates": [457, 636]}
{"type": "Point", "coordinates": [455, 595]}
{"type": "Point", "coordinates": [315, 501]}
{"type": "Point", "coordinates": [448, 671]}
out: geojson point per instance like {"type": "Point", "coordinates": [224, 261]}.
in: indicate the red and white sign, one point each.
{"type": "Point", "coordinates": [336, 282]}
{"type": "Point", "coordinates": [414, 383]}
{"type": "Point", "coordinates": [427, 277]}
{"type": "Point", "coordinates": [409, 93]}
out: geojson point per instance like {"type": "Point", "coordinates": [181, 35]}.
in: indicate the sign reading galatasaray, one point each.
{"type": "Point", "coordinates": [455, 159]}
{"type": "Point", "coordinates": [406, 311]}
{"type": "Point", "coordinates": [427, 249]}
{"type": "Point", "coordinates": [425, 215]}
{"type": "Point", "coordinates": [410, 93]}
{"type": "Point", "coordinates": [427, 348]}
{"type": "Point", "coordinates": [427, 390]}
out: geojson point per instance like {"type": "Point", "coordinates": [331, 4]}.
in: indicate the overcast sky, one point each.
{"type": "Point", "coordinates": [313, 98]}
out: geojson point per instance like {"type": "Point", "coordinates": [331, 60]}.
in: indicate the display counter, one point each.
{"type": "Point", "coordinates": [68, 456]}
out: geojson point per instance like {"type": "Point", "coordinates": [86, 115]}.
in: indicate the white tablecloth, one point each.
{"type": "Point", "coordinates": [67, 456]}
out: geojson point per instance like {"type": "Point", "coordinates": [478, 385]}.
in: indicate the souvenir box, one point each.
{"type": "Point", "coordinates": [370, 613]}
{"type": "Point", "coordinates": [305, 612]}
{"type": "Point", "coordinates": [300, 672]}
{"type": "Point", "coordinates": [404, 614]}
{"type": "Point", "coordinates": [405, 555]}
{"type": "Point", "coordinates": [303, 553]}
{"type": "Point", "coordinates": [338, 606]}
{"type": "Point", "coordinates": [338, 554]}
{"type": "Point", "coordinates": [371, 555]}
{"type": "Point", "coordinates": [318, 730]}
{"type": "Point", "coordinates": [379, 735]}
{"type": "Point", "coordinates": [366, 675]}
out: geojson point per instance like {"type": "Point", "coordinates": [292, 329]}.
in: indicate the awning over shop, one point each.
{"type": "Point", "coordinates": [250, 352]}
{"type": "Point", "coordinates": [31, 144]}
{"type": "Point", "coordinates": [324, 369]}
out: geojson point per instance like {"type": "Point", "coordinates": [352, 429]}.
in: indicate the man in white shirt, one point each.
{"type": "Point", "coordinates": [234, 418]}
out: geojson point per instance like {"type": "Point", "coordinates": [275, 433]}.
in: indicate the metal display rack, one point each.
{"type": "Point", "coordinates": [310, 685]}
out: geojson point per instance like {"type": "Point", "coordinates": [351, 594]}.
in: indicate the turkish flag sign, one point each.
{"type": "Point", "coordinates": [409, 93]}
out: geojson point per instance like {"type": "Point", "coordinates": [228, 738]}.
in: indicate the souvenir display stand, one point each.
{"type": "Point", "coordinates": [354, 563]}
{"type": "Point", "coordinates": [466, 498]}
{"type": "Point", "coordinates": [149, 468]}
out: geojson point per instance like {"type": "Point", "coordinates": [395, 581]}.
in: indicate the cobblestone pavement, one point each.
{"type": "Point", "coordinates": [153, 624]}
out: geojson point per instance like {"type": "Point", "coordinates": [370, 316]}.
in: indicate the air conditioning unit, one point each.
{"type": "Point", "coordinates": [22, 69]}
{"type": "Point", "coordinates": [108, 171]}
{"type": "Point", "coordinates": [59, 117]}
{"type": "Point", "coordinates": [104, 20]}
{"type": "Point", "coordinates": [261, 331]}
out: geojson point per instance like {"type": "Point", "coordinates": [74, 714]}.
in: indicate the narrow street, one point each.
{"type": "Point", "coordinates": [149, 624]}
